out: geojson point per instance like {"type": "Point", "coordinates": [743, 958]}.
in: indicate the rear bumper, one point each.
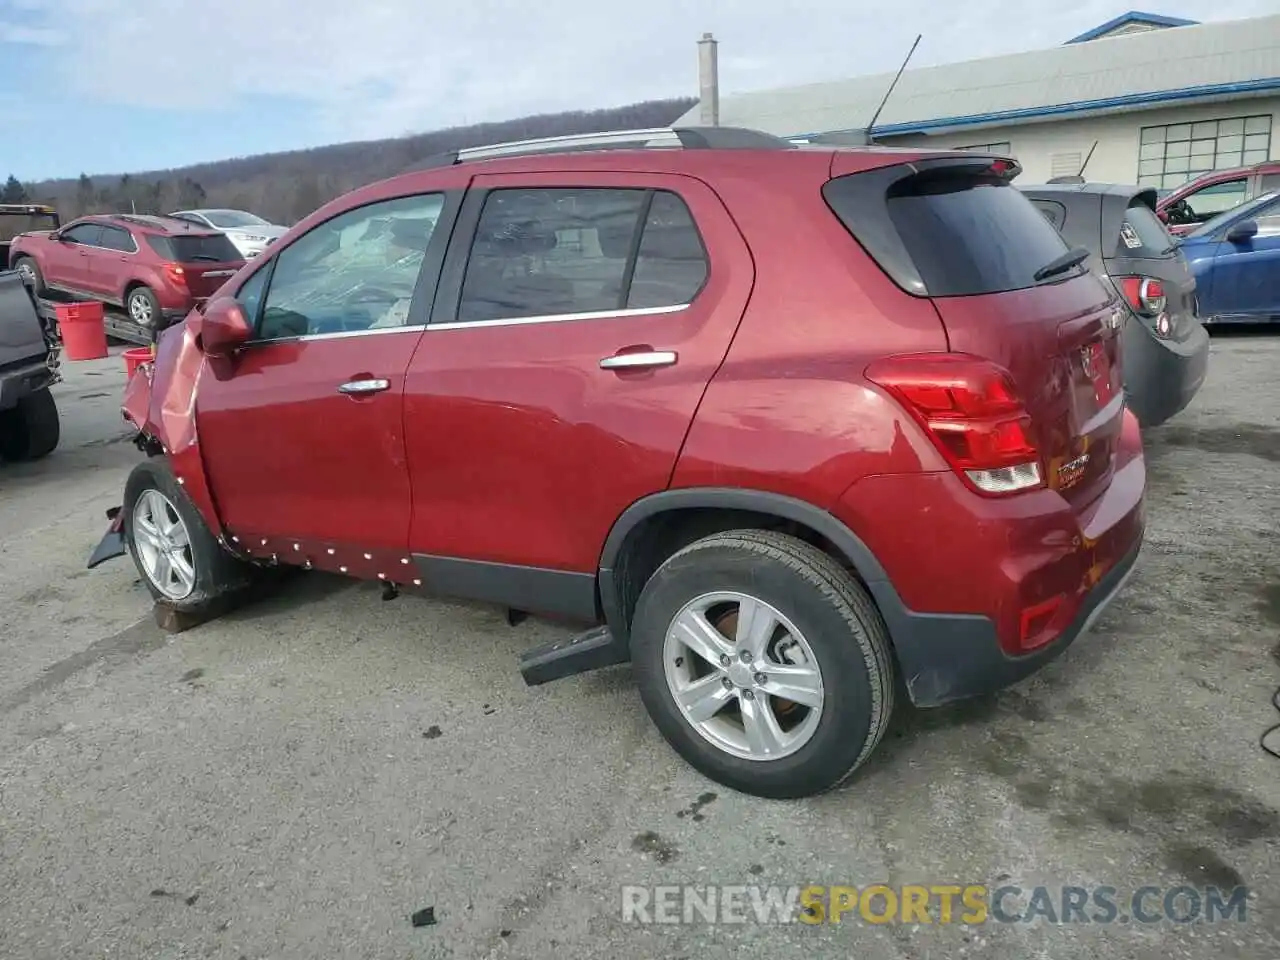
{"type": "Point", "coordinates": [1161, 377]}
{"type": "Point", "coordinates": [954, 657]}
{"type": "Point", "coordinates": [978, 593]}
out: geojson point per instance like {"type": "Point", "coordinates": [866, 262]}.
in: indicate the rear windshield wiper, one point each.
{"type": "Point", "coordinates": [205, 256]}
{"type": "Point", "coordinates": [1061, 264]}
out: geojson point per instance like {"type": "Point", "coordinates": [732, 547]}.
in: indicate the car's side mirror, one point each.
{"type": "Point", "coordinates": [1243, 231]}
{"type": "Point", "coordinates": [224, 329]}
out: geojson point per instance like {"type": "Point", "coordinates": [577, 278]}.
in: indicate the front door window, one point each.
{"type": "Point", "coordinates": [356, 272]}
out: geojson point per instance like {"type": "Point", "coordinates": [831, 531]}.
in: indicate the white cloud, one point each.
{"type": "Point", "coordinates": [383, 67]}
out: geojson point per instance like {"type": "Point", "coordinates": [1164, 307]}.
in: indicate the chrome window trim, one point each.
{"type": "Point", "coordinates": [336, 335]}
{"type": "Point", "coordinates": [560, 317]}
{"type": "Point", "coordinates": [512, 322]}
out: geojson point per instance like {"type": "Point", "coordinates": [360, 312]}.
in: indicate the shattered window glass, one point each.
{"type": "Point", "coordinates": [354, 272]}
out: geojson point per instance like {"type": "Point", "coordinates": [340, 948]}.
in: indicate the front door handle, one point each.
{"type": "Point", "coordinates": [364, 386]}
{"type": "Point", "coordinates": [639, 361]}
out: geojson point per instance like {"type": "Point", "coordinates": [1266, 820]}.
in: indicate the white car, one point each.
{"type": "Point", "coordinates": [250, 233]}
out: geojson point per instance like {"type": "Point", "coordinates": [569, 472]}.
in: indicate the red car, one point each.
{"type": "Point", "coordinates": [777, 425]}
{"type": "Point", "coordinates": [1200, 200]}
{"type": "Point", "coordinates": [156, 268]}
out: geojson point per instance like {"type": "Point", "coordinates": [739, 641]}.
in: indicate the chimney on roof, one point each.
{"type": "Point", "coordinates": [708, 81]}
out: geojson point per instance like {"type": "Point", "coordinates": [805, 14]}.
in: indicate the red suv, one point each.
{"type": "Point", "coordinates": [779, 424]}
{"type": "Point", "coordinates": [1200, 200]}
{"type": "Point", "coordinates": [156, 268]}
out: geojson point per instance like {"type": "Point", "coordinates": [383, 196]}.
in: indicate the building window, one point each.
{"type": "Point", "coordinates": [1171, 155]}
{"type": "Point", "coordinates": [1003, 147]}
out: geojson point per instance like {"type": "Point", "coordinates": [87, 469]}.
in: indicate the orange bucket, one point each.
{"type": "Point", "coordinates": [84, 335]}
{"type": "Point", "coordinates": [135, 358]}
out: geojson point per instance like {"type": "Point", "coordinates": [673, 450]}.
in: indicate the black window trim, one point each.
{"type": "Point", "coordinates": [448, 299]}
{"type": "Point", "coordinates": [429, 273]}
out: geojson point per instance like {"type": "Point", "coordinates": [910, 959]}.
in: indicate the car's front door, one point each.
{"type": "Point", "coordinates": [302, 433]}
{"type": "Point", "coordinates": [579, 320]}
{"type": "Point", "coordinates": [1246, 271]}
{"type": "Point", "coordinates": [66, 262]}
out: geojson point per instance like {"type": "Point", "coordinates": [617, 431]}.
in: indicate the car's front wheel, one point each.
{"type": "Point", "coordinates": [763, 663]}
{"type": "Point", "coordinates": [181, 562]}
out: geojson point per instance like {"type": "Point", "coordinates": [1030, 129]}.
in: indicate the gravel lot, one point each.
{"type": "Point", "coordinates": [297, 779]}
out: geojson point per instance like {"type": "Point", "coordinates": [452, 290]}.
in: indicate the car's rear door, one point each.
{"type": "Point", "coordinates": [302, 433]}
{"type": "Point", "coordinates": [579, 320]}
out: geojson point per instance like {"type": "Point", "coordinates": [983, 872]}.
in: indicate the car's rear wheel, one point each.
{"type": "Point", "coordinates": [181, 562]}
{"type": "Point", "coordinates": [142, 306]}
{"type": "Point", "coordinates": [31, 429]}
{"type": "Point", "coordinates": [29, 271]}
{"type": "Point", "coordinates": [763, 663]}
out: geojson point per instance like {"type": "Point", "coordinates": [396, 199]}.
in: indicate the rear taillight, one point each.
{"type": "Point", "coordinates": [973, 413]}
{"type": "Point", "coordinates": [175, 273]}
{"type": "Point", "coordinates": [1145, 295]}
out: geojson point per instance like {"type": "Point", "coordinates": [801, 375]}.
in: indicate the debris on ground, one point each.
{"type": "Point", "coordinates": [426, 917]}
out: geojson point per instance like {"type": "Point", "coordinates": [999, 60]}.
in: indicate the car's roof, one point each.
{"type": "Point", "coordinates": [1088, 188]}
{"type": "Point", "coordinates": [148, 223]}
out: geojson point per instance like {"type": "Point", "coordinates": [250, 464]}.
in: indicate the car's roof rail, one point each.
{"type": "Point", "coordinates": [687, 138]}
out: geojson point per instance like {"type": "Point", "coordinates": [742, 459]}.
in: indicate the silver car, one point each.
{"type": "Point", "coordinates": [249, 232]}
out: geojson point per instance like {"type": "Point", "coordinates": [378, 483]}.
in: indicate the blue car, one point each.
{"type": "Point", "coordinates": [1235, 258]}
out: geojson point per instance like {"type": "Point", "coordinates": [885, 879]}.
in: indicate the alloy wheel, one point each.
{"type": "Point", "coordinates": [164, 546]}
{"type": "Point", "coordinates": [743, 676]}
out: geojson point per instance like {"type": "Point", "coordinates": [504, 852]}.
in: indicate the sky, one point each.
{"type": "Point", "coordinates": [109, 86]}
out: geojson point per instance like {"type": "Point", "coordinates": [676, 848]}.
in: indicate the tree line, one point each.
{"type": "Point", "coordinates": [285, 187]}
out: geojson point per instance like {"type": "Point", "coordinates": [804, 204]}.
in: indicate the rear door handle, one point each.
{"type": "Point", "coordinates": [364, 386]}
{"type": "Point", "coordinates": [639, 361]}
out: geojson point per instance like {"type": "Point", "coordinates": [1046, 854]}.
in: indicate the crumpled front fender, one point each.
{"type": "Point", "coordinates": [160, 400]}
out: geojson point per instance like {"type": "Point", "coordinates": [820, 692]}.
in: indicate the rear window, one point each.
{"type": "Point", "coordinates": [1142, 235]}
{"type": "Point", "coordinates": [947, 233]}
{"type": "Point", "coordinates": [212, 247]}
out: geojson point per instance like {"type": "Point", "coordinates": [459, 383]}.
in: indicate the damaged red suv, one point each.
{"type": "Point", "coordinates": [778, 425]}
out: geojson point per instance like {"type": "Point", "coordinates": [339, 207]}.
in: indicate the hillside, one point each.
{"type": "Point", "coordinates": [284, 187]}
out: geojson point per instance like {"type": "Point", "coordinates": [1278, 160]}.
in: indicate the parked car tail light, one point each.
{"type": "Point", "coordinates": [175, 273]}
{"type": "Point", "coordinates": [973, 413]}
{"type": "Point", "coordinates": [1145, 295]}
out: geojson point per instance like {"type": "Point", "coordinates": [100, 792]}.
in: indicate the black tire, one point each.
{"type": "Point", "coordinates": [22, 264]}
{"type": "Point", "coordinates": [840, 624]}
{"type": "Point", "coordinates": [217, 572]}
{"type": "Point", "coordinates": [145, 296]}
{"type": "Point", "coordinates": [31, 429]}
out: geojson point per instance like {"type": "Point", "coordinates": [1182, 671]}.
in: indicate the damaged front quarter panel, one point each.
{"type": "Point", "coordinates": [160, 402]}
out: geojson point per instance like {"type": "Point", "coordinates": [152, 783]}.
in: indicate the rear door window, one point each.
{"type": "Point", "coordinates": [1142, 235]}
{"type": "Point", "coordinates": [550, 252]}
{"type": "Point", "coordinates": [956, 232]}
{"type": "Point", "coordinates": [116, 238]}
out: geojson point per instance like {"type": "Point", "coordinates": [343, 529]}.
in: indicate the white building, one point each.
{"type": "Point", "coordinates": [1163, 99]}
